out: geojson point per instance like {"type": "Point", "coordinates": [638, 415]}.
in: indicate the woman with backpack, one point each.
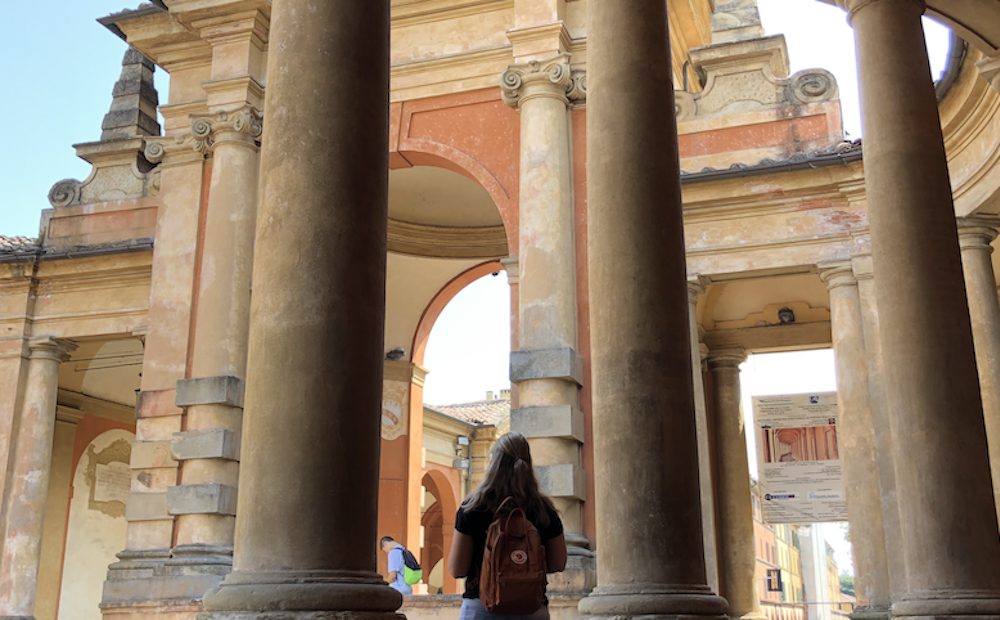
{"type": "Point", "coordinates": [508, 536]}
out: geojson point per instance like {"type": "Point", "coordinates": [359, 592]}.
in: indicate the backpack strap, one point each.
{"type": "Point", "coordinates": [503, 504]}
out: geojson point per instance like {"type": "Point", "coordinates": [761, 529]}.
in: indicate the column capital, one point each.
{"type": "Point", "coordinates": [242, 125]}
{"type": "Point", "coordinates": [549, 78]}
{"type": "Point", "coordinates": [696, 286]}
{"type": "Point", "coordinates": [47, 347]}
{"type": "Point", "coordinates": [730, 357]}
{"type": "Point", "coordinates": [837, 274]}
{"type": "Point", "coordinates": [977, 232]}
{"type": "Point", "coordinates": [512, 266]}
{"type": "Point", "coordinates": [853, 7]}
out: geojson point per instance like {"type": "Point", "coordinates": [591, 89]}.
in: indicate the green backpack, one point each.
{"type": "Point", "coordinates": [412, 573]}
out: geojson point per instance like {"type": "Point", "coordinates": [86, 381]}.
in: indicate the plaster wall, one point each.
{"type": "Point", "coordinates": [411, 283]}
{"type": "Point", "coordinates": [96, 528]}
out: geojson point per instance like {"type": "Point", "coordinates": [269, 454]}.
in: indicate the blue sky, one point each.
{"type": "Point", "coordinates": [58, 74]}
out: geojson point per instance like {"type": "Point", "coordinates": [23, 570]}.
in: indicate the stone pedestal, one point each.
{"type": "Point", "coordinates": [737, 552]}
{"type": "Point", "coordinates": [306, 534]}
{"type": "Point", "coordinates": [547, 369]}
{"type": "Point", "coordinates": [650, 559]}
{"type": "Point", "coordinates": [947, 519]}
{"type": "Point", "coordinates": [29, 481]}
{"type": "Point", "coordinates": [857, 444]}
{"type": "Point", "coordinates": [975, 234]}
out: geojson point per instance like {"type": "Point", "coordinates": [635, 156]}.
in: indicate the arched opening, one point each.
{"type": "Point", "coordinates": [446, 231]}
{"type": "Point", "coordinates": [89, 479]}
{"type": "Point", "coordinates": [438, 525]}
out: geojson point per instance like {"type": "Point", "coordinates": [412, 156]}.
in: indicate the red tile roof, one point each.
{"type": "Point", "coordinates": [486, 412]}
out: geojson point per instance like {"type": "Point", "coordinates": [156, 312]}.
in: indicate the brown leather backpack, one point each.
{"type": "Point", "coordinates": [512, 579]}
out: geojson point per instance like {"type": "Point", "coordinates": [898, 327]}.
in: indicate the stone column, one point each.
{"type": "Point", "coordinates": [208, 449]}
{"type": "Point", "coordinates": [650, 557]}
{"type": "Point", "coordinates": [884, 452]}
{"type": "Point", "coordinates": [306, 535]}
{"type": "Point", "coordinates": [737, 554]}
{"type": "Point", "coordinates": [857, 444]}
{"type": "Point", "coordinates": [29, 480]}
{"type": "Point", "coordinates": [975, 234]}
{"type": "Point", "coordinates": [547, 368]}
{"type": "Point", "coordinates": [707, 488]}
{"type": "Point", "coordinates": [482, 440]}
{"type": "Point", "coordinates": [947, 517]}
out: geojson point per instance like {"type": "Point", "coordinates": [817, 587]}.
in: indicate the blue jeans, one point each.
{"type": "Point", "coordinates": [473, 609]}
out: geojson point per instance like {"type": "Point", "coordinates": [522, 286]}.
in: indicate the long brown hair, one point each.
{"type": "Point", "coordinates": [509, 474]}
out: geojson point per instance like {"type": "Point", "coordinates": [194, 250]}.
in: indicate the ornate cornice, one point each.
{"type": "Point", "coordinates": [551, 78]}
{"type": "Point", "coordinates": [447, 242]}
{"type": "Point", "coordinates": [989, 68]}
{"type": "Point", "coordinates": [244, 125]}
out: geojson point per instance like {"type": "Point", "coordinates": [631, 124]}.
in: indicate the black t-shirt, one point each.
{"type": "Point", "coordinates": [474, 523]}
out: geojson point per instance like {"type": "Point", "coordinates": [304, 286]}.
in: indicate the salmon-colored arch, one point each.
{"type": "Point", "coordinates": [441, 299]}
{"type": "Point", "coordinates": [437, 483]}
{"type": "Point", "coordinates": [425, 152]}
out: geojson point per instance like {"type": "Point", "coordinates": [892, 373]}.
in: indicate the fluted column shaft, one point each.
{"type": "Point", "coordinates": [737, 553]}
{"type": "Point", "coordinates": [948, 522]}
{"type": "Point", "coordinates": [709, 530]}
{"type": "Point", "coordinates": [548, 411]}
{"type": "Point", "coordinates": [306, 518]}
{"type": "Point", "coordinates": [975, 236]}
{"type": "Point", "coordinates": [857, 443]}
{"type": "Point", "coordinates": [29, 482]}
{"type": "Point", "coordinates": [650, 556]}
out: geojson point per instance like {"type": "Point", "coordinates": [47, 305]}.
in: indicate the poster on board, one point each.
{"type": "Point", "coordinates": [799, 458]}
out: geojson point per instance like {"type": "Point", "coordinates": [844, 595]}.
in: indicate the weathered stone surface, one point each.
{"type": "Point", "coordinates": [561, 363]}
{"type": "Point", "coordinates": [134, 101]}
{"type": "Point", "coordinates": [561, 480]}
{"type": "Point", "coordinates": [213, 443]}
{"type": "Point", "coordinates": [152, 455]}
{"type": "Point", "coordinates": [146, 507]}
{"type": "Point", "coordinates": [214, 499]}
{"type": "Point", "coordinates": [210, 391]}
{"type": "Point", "coordinates": [555, 421]}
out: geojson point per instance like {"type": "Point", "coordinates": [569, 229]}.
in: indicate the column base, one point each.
{"type": "Point", "coordinates": [299, 615]}
{"type": "Point", "coordinates": [945, 604]}
{"type": "Point", "coordinates": [156, 576]}
{"type": "Point", "coordinates": [870, 613]}
{"type": "Point", "coordinates": [580, 574]}
{"type": "Point", "coordinates": [655, 600]}
{"type": "Point", "coordinates": [317, 594]}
